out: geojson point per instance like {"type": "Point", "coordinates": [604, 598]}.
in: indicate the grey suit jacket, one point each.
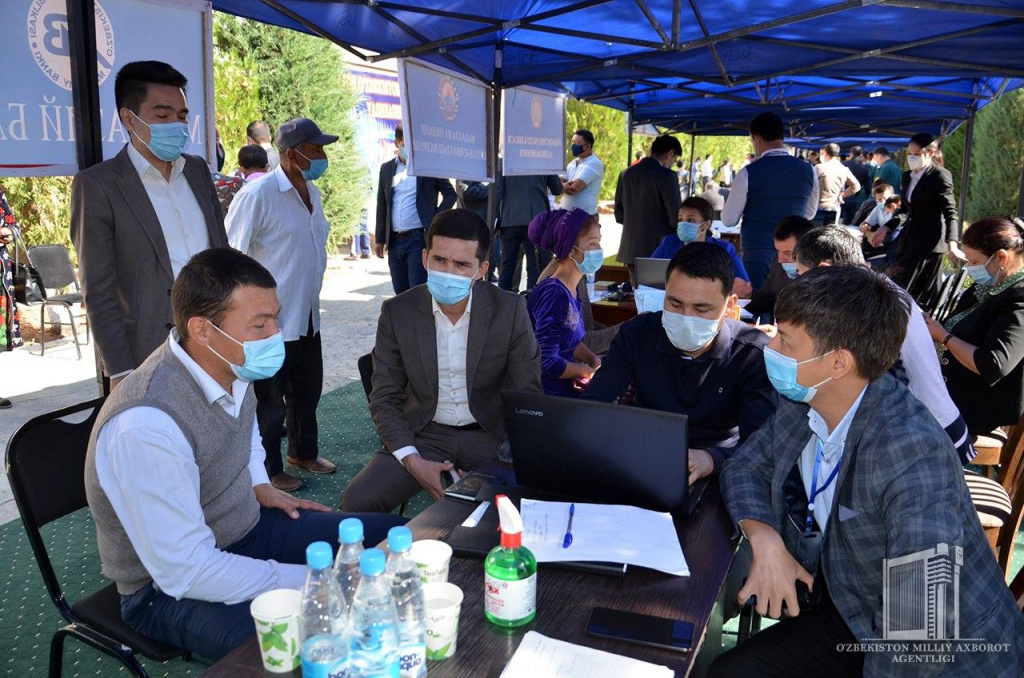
{"type": "Point", "coordinates": [502, 353]}
{"type": "Point", "coordinates": [123, 259]}
{"type": "Point", "coordinates": [900, 490]}
{"type": "Point", "coordinates": [647, 205]}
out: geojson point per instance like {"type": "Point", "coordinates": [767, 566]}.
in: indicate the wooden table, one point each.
{"type": "Point", "coordinates": [565, 600]}
{"type": "Point", "coordinates": [611, 313]}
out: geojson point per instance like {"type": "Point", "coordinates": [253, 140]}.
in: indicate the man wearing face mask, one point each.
{"type": "Point", "coordinates": [137, 219]}
{"type": "Point", "coordinates": [188, 525]}
{"type": "Point", "coordinates": [280, 222]}
{"type": "Point", "coordinates": [690, 359]}
{"type": "Point", "coordinates": [583, 175]}
{"type": "Point", "coordinates": [443, 354]}
{"type": "Point", "coordinates": [783, 269]}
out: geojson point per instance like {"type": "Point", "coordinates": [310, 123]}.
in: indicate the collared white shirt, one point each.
{"type": "Point", "coordinates": [404, 215]}
{"type": "Point", "coordinates": [832, 454]}
{"type": "Point", "coordinates": [878, 216]}
{"type": "Point", "coordinates": [737, 200]}
{"type": "Point", "coordinates": [148, 471]}
{"type": "Point", "coordinates": [589, 170]}
{"type": "Point", "coordinates": [269, 222]}
{"type": "Point", "coordinates": [915, 176]}
{"type": "Point", "coordinates": [181, 219]}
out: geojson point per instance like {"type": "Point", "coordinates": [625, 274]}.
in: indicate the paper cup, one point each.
{"type": "Point", "coordinates": [276, 614]}
{"type": "Point", "coordinates": [444, 601]}
{"type": "Point", "coordinates": [432, 559]}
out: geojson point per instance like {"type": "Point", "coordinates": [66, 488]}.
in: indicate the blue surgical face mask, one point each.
{"type": "Point", "coordinates": [592, 261]}
{"type": "Point", "coordinates": [979, 273]}
{"type": "Point", "coordinates": [790, 268]}
{"type": "Point", "coordinates": [448, 288]}
{"type": "Point", "coordinates": [166, 140]}
{"type": "Point", "coordinates": [263, 357]}
{"type": "Point", "coordinates": [576, 150]}
{"type": "Point", "coordinates": [688, 231]}
{"type": "Point", "coordinates": [316, 169]}
{"type": "Point", "coordinates": [782, 373]}
{"type": "Point", "coordinates": [401, 153]}
{"type": "Point", "coordinates": [688, 332]}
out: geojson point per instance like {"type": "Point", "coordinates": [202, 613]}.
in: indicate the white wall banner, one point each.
{"type": "Point", "coordinates": [447, 122]}
{"type": "Point", "coordinates": [533, 124]}
{"type": "Point", "coordinates": [37, 130]}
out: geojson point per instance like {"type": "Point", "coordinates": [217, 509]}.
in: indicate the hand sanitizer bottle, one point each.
{"type": "Point", "coordinates": [510, 573]}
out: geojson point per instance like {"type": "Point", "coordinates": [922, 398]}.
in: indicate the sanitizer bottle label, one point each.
{"type": "Point", "coordinates": [510, 599]}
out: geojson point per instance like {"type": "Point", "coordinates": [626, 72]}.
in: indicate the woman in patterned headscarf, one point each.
{"type": "Point", "coordinates": [10, 330]}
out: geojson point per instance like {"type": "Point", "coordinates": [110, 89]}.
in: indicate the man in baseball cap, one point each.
{"type": "Point", "coordinates": [279, 221]}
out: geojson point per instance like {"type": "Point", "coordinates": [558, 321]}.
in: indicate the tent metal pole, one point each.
{"type": "Point", "coordinates": [689, 168]}
{"type": "Point", "coordinates": [629, 124]}
{"type": "Point", "coordinates": [313, 28]}
{"type": "Point", "coordinates": [965, 172]}
{"type": "Point", "coordinates": [1020, 196]}
{"type": "Point", "coordinates": [495, 140]}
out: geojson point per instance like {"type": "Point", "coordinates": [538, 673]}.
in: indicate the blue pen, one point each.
{"type": "Point", "coordinates": [568, 528]}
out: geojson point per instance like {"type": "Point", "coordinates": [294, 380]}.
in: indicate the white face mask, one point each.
{"type": "Point", "coordinates": [916, 162]}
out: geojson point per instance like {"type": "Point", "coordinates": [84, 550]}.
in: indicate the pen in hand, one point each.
{"type": "Point", "coordinates": [568, 528]}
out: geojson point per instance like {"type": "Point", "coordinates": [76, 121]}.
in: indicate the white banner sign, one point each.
{"type": "Point", "coordinates": [533, 142]}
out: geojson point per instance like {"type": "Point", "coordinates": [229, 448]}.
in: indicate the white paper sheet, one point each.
{"type": "Point", "coordinates": [649, 299]}
{"type": "Point", "coordinates": [541, 657]}
{"type": "Point", "coordinates": [603, 533]}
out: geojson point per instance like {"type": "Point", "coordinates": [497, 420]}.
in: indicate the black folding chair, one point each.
{"type": "Point", "coordinates": [45, 466]}
{"type": "Point", "coordinates": [54, 267]}
{"type": "Point", "coordinates": [365, 367]}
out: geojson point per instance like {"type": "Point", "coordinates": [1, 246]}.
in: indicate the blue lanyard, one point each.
{"type": "Point", "coordinates": [815, 490]}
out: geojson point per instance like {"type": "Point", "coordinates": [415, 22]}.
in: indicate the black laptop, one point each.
{"type": "Point", "coordinates": [611, 454]}
{"type": "Point", "coordinates": [651, 272]}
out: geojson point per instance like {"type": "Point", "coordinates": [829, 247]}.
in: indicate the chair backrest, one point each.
{"type": "Point", "coordinates": [951, 296]}
{"type": "Point", "coordinates": [1011, 477]}
{"type": "Point", "coordinates": [54, 266]}
{"type": "Point", "coordinates": [365, 365]}
{"type": "Point", "coordinates": [46, 469]}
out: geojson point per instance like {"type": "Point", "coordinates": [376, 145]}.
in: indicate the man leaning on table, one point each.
{"type": "Point", "coordinates": [188, 525]}
{"type": "Point", "coordinates": [444, 352]}
{"type": "Point", "coordinates": [850, 471]}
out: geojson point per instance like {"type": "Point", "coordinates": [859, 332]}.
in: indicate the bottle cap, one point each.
{"type": "Point", "coordinates": [511, 523]}
{"type": "Point", "coordinates": [319, 556]}
{"type": "Point", "coordinates": [399, 539]}
{"type": "Point", "coordinates": [350, 531]}
{"type": "Point", "coordinates": [372, 562]}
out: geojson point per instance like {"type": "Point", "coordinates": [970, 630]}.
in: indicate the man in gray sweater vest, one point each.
{"type": "Point", "coordinates": [188, 525]}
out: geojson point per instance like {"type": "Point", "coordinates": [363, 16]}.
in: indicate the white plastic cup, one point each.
{"type": "Point", "coordinates": [432, 558]}
{"type": "Point", "coordinates": [444, 602]}
{"type": "Point", "coordinates": [276, 614]}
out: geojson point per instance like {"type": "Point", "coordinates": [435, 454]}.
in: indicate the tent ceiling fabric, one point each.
{"type": "Point", "coordinates": [854, 69]}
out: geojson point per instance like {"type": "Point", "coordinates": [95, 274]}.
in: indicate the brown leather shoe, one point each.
{"type": "Point", "coordinates": [317, 465]}
{"type": "Point", "coordinates": [285, 482]}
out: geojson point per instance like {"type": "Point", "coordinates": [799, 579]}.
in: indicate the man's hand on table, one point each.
{"type": "Point", "coordinates": [428, 474]}
{"type": "Point", "coordinates": [773, 572]}
{"type": "Point", "coordinates": [270, 497]}
{"type": "Point", "coordinates": [701, 465]}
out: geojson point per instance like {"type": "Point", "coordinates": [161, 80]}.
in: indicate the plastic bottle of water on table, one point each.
{"type": "Point", "coordinates": [407, 590]}
{"type": "Point", "coordinates": [324, 649]}
{"type": "Point", "coordinates": [374, 634]}
{"type": "Point", "coordinates": [346, 565]}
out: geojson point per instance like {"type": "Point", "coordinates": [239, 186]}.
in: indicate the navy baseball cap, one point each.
{"type": "Point", "coordinates": [302, 131]}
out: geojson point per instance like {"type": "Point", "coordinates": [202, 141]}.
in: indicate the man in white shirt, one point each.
{"type": "Point", "coordinates": [836, 183]}
{"type": "Point", "coordinates": [258, 133]}
{"type": "Point", "coordinates": [187, 523]}
{"type": "Point", "coordinates": [584, 174]}
{"type": "Point", "coordinates": [444, 352]}
{"type": "Point", "coordinates": [280, 222]}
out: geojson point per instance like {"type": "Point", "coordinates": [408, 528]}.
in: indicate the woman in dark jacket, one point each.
{"type": "Point", "coordinates": [982, 343]}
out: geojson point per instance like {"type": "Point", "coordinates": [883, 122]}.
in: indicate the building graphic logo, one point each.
{"type": "Point", "coordinates": [448, 98]}
{"type": "Point", "coordinates": [48, 39]}
{"type": "Point", "coordinates": [536, 111]}
{"type": "Point", "coordinates": [921, 595]}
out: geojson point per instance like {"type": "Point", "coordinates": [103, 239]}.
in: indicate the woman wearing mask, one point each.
{"type": "Point", "coordinates": [933, 224]}
{"type": "Point", "coordinates": [574, 237]}
{"type": "Point", "coordinates": [982, 343]}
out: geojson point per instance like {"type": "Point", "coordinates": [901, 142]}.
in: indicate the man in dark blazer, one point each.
{"type": "Point", "coordinates": [443, 355]}
{"type": "Point", "coordinates": [647, 202]}
{"type": "Point", "coordinates": [520, 199]}
{"type": "Point", "coordinates": [405, 206]}
{"type": "Point", "coordinates": [138, 218]}
{"type": "Point", "coordinates": [849, 494]}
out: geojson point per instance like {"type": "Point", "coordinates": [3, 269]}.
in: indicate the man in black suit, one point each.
{"type": "Point", "coordinates": [647, 202]}
{"type": "Point", "coordinates": [405, 207]}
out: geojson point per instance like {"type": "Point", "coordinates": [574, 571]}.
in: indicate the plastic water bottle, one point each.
{"type": "Point", "coordinates": [407, 590]}
{"type": "Point", "coordinates": [374, 636]}
{"type": "Point", "coordinates": [591, 281]}
{"type": "Point", "coordinates": [346, 565]}
{"type": "Point", "coordinates": [324, 649]}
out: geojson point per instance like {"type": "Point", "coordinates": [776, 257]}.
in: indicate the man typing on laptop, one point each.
{"type": "Point", "coordinates": [690, 359]}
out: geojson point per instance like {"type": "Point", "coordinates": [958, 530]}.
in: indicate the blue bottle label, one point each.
{"type": "Point", "coordinates": [324, 670]}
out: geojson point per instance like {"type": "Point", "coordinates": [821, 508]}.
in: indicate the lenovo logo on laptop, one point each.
{"type": "Point", "coordinates": [531, 413]}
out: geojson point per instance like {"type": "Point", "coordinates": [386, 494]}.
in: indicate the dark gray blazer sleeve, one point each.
{"type": "Point", "coordinates": [388, 395]}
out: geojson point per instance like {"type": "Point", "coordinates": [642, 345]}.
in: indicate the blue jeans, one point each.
{"type": "Point", "coordinates": [212, 630]}
{"type": "Point", "coordinates": [405, 259]}
{"type": "Point", "coordinates": [361, 238]}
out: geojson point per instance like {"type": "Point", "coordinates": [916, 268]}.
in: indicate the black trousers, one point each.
{"type": "Point", "coordinates": [514, 241]}
{"type": "Point", "coordinates": [796, 647]}
{"type": "Point", "coordinates": [290, 398]}
{"type": "Point", "coordinates": [920, 275]}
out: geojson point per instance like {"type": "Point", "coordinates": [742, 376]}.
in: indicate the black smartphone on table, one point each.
{"type": "Point", "coordinates": [643, 629]}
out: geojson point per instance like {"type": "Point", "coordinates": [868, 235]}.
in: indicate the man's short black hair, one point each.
{"type": "Point", "coordinates": [831, 149]}
{"type": "Point", "coordinates": [253, 157]}
{"type": "Point", "coordinates": [882, 151]}
{"type": "Point", "coordinates": [586, 135]}
{"type": "Point", "coordinates": [881, 188]}
{"type": "Point", "coordinates": [856, 151]}
{"type": "Point", "coordinates": [399, 133]}
{"type": "Point", "coordinates": [704, 260]}
{"type": "Point", "coordinates": [852, 308]}
{"type": "Point", "coordinates": [258, 131]}
{"type": "Point", "coordinates": [205, 284]}
{"type": "Point", "coordinates": [638, 154]}
{"type": "Point", "coordinates": [832, 244]}
{"type": "Point", "coordinates": [133, 80]}
{"type": "Point", "coordinates": [768, 126]}
{"type": "Point", "coordinates": [666, 143]}
{"type": "Point", "coordinates": [701, 205]}
{"type": "Point", "coordinates": [894, 200]}
{"type": "Point", "coordinates": [792, 226]}
{"type": "Point", "coordinates": [461, 224]}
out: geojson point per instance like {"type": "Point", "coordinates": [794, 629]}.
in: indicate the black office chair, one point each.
{"type": "Point", "coordinates": [45, 466]}
{"type": "Point", "coordinates": [54, 266]}
{"type": "Point", "coordinates": [365, 367]}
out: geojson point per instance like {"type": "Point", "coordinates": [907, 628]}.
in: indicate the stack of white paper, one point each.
{"type": "Point", "coordinates": [540, 656]}
{"type": "Point", "coordinates": [603, 533]}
